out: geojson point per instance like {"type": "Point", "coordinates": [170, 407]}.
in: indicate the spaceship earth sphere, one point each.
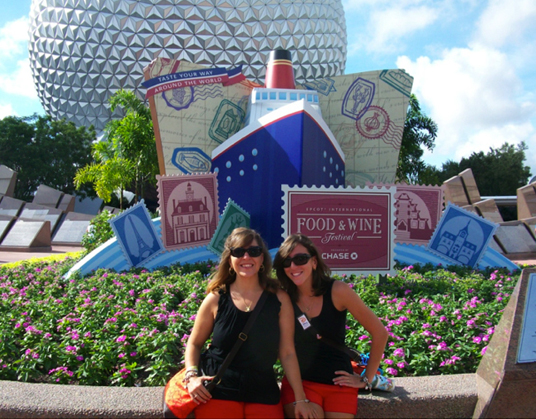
{"type": "Point", "coordinates": [83, 51]}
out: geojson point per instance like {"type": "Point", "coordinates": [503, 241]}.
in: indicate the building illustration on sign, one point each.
{"type": "Point", "coordinates": [457, 246]}
{"type": "Point", "coordinates": [461, 236]}
{"type": "Point", "coordinates": [189, 208]}
{"type": "Point", "coordinates": [190, 218]}
{"type": "Point", "coordinates": [409, 220]}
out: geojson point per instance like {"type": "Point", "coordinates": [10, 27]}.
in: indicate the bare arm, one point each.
{"type": "Point", "coordinates": [287, 355]}
{"type": "Point", "coordinates": [345, 298]}
{"type": "Point", "coordinates": [203, 325]}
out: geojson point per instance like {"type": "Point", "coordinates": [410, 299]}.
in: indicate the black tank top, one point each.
{"type": "Point", "coordinates": [250, 377]}
{"type": "Point", "coordinates": [318, 360]}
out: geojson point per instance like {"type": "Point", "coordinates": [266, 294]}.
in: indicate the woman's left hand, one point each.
{"type": "Point", "coordinates": [308, 411]}
{"type": "Point", "coordinates": [349, 380]}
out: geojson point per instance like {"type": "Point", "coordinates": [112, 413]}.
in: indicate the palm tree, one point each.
{"type": "Point", "coordinates": [419, 131]}
{"type": "Point", "coordinates": [127, 152]}
{"type": "Point", "coordinates": [108, 173]}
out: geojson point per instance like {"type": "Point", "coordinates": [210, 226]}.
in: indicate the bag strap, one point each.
{"type": "Point", "coordinates": [352, 353]}
{"type": "Point", "coordinates": [242, 337]}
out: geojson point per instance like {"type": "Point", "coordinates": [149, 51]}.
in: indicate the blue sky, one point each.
{"type": "Point", "coordinates": [473, 62]}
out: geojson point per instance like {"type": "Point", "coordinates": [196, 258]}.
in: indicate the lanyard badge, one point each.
{"type": "Point", "coordinates": [304, 322]}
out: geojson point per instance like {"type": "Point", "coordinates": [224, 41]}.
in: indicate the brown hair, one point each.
{"type": "Point", "coordinates": [321, 275]}
{"type": "Point", "coordinates": [242, 237]}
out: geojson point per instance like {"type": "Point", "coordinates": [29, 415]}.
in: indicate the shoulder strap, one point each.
{"type": "Point", "coordinates": [352, 353]}
{"type": "Point", "coordinates": [242, 337]}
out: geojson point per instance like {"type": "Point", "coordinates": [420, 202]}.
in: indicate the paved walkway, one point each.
{"type": "Point", "coordinates": [15, 256]}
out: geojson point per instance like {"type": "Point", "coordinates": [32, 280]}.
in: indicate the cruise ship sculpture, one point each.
{"type": "Point", "coordinates": [285, 141]}
{"type": "Point", "coordinates": [258, 139]}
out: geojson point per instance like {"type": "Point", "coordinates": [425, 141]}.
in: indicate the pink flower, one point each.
{"type": "Point", "coordinates": [442, 346]}
{"type": "Point", "coordinates": [483, 351]}
{"type": "Point", "coordinates": [388, 361]}
{"type": "Point", "coordinates": [399, 353]}
{"type": "Point", "coordinates": [121, 338]}
{"type": "Point", "coordinates": [392, 371]}
{"type": "Point", "coordinates": [401, 365]}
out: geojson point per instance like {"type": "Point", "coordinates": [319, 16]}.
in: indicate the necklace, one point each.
{"type": "Point", "coordinates": [248, 306]}
{"type": "Point", "coordinates": [312, 301]}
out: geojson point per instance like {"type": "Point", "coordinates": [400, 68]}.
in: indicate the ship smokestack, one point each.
{"type": "Point", "coordinates": [279, 72]}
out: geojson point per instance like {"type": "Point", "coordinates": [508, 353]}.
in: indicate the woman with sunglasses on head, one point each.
{"type": "Point", "coordinates": [248, 387]}
{"type": "Point", "coordinates": [320, 308]}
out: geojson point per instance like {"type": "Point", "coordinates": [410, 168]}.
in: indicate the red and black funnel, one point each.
{"type": "Point", "coordinates": [279, 73]}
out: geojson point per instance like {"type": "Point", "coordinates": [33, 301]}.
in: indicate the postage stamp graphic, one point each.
{"type": "Point", "coordinates": [189, 208]}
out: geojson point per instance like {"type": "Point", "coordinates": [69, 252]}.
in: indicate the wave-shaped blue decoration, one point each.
{"type": "Point", "coordinates": [412, 254]}
{"type": "Point", "coordinates": [110, 256]}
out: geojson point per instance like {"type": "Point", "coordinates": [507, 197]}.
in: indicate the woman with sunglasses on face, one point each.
{"type": "Point", "coordinates": [321, 304]}
{"type": "Point", "coordinates": [248, 387]}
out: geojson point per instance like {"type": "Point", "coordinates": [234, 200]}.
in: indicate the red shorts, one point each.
{"type": "Point", "coordinates": [228, 409]}
{"type": "Point", "coordinates": [330, 397]}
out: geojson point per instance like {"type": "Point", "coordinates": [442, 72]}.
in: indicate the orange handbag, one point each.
{"type": "Point", "coordinates": [177, 400]}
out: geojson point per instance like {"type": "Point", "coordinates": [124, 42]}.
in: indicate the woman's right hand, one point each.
{"type": "Point", "coordinates": [308, 411]}
{"type": "Point", "coordinates": [197, 389]}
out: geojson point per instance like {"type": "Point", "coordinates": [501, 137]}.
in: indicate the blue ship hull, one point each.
{"type": "Point", "coordinates": [290, 146]}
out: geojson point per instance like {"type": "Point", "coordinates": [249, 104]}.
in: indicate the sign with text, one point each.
{"type": "Point", "coordinates": [527, 345]}
{"type": "Point", "coordinates": [353, 228]}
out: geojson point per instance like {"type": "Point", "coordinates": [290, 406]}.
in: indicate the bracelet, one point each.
{"type": "Point", "coordinates": [301, 401]}
{"type": "Point", "coordinates": [192, 369]}
{"type": "Point", "coordinates": [365, 380]}
{"type": "Point", "coordinates": [188, 376]}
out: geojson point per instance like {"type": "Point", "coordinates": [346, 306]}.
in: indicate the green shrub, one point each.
{"type": "Point", "coordinates": [130, 328]}
{"type": "Point", "coordinates": [99, 231]}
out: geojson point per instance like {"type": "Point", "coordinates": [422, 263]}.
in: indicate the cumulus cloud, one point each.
{"type": "Point", "coordinates": [475, 93]}
{"type": "Point", "coordinates": [474, 96]}
{"type": "Point", "coordinates": [14, 38]}
{"type": "Point", "coordinates": [19, 81]}
{"type": "Point", "coordinates": [6, 110]}
{"type": "Point", "coordinates": [505, 22]}
{"type": "Point", "coordinates": [15, 74]}
{"type": "Point", "coordinates": [388, 26]}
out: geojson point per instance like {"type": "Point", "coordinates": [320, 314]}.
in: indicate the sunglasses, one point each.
{"type": "Point", "coordinates": [299, 260]}
{"type": "Point", "coordinates": [253, 251]}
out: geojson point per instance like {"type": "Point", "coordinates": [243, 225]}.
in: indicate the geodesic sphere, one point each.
{"type": "Point", "coordinates": [83, 51]}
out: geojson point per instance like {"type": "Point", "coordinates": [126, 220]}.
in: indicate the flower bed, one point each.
{"type": "Point", "coordinates": [130, 328]}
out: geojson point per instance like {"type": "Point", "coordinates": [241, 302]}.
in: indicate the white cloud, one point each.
{"type": "Point", "coordinates": [495, 137]}
{"type": "Point", "coordinates": [14, 38]}
{"type": "Point", "coordinates": [388, 26]}
{"type": "Point", "coordinates": [385, 26]}
{"type": "Point", "coordinates": [505, 22]}
{"type": "Point", "coordinates": [19, 81]}
{"type": "Point", "coordinates": [6, 110]}
{"type": "Point", "coordinates": [473, 95]}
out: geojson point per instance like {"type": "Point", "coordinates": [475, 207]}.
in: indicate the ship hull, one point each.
{"type": "Point", "coordinates": [290, 146]}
